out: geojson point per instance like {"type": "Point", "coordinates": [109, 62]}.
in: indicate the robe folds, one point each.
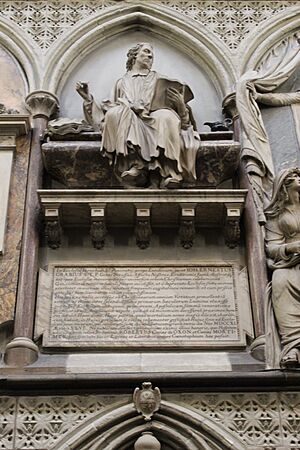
{"type": "Point", "coordinates": [141, 137]}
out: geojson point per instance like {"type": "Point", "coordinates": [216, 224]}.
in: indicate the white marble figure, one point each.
{"type": "Point", "coordinates": [148, 127]}
{"type": "Point", "coordinates": [283, 250]}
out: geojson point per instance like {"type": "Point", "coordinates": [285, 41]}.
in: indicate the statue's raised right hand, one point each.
{"type": "Point", "coordinates": [83, 90]}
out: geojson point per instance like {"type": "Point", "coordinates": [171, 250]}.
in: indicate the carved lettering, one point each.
{"type": "Point", "coordinates": [143, 306]}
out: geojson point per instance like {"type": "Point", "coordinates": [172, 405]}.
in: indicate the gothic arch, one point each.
{"type": "Point", "coordinates": [263, 38]}
{"type": "Point", "coordinates": [174, 425]}
{"type": "Point", "coordinates": [17, 43]}
{"type": "Point", "coordinates": [203, 47]}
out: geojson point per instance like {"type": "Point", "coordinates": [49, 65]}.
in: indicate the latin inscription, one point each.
{"type": "Point", "coordinates": [143, 306]}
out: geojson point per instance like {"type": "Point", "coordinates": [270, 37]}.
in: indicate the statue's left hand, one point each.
{"type": "Point", "coordinates": [177, 100]}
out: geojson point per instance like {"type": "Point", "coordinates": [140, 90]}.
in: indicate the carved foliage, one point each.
{"type": "Point", "coordinates": [143, 233]}
{"type": "Point", "coordinates": [53, 233]}
{"type": "Point", "coordinates": [46, 21]}
{"type": "Point", "coordinates": [187, 232]}
{"type": "Point", "coordinates": [267, 421]}
{"type": "Point", "coordinates": [98, 233]}
{"type": "Point", "coordinates": [232, 233]}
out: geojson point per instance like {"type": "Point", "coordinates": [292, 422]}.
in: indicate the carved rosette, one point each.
{"type": "Point", "coordinates": [42, 104]}
{"type": "Point", "coordinates": [147, 400]}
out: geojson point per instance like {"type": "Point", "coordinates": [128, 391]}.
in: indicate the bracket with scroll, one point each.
{"type": "Point", "coordinates": [232, 229]}
{"type": "Point", "coordinates": [147, 400]}
{"type": "Point", "coordinates": [187, 231]}
{"type": "Point", "coordinates": [53, 229]}
{"type": "Point", "coordinates": [143, 229]}
{"type": "Point", "coordinates": [98, 230]}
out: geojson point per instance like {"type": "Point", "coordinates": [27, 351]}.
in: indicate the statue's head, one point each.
{"type": "Point", "coordinates": [142, 50]}
{"type": "Point", "coordinates": [284, 181]}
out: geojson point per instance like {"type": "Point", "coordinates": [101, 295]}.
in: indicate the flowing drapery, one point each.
{"type": "Point", "coordinates": [274, 70]}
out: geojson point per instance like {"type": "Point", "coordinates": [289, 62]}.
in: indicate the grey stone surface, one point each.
{"type": "Point", "coordinates": [280, 126]}
{"type": "Point", "coordinates": [259, 420]}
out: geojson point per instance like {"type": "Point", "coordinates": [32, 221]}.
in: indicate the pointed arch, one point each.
{"type": "Point", "coordinates": [263, 38]}
{"type": "Point", "coordinates": [174, 425]}
{"type": "Point", "coordinates": [17, 43]}
{"type": "Point", "coordinates": [201, 45]}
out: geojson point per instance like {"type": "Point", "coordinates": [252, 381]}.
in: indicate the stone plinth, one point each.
{"type": "Point", "coordinates": [78, 164]}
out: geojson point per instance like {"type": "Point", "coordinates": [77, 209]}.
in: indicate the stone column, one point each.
{"type": "Point", "coordinates": [21, 350]}
{"type": "Point", "coordinates": [256, 259]}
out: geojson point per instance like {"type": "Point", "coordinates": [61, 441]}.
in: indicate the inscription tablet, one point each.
{"type": "Point", "coordinates": [144, 306]}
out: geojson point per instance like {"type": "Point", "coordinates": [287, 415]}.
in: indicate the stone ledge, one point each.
{"type": "Point", "coordinates": [14, 124]}
{"type": "Point", "coordinates": [19, 383]}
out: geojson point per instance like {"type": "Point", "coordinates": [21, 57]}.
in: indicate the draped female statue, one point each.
{"type": "Point", "coordinates": [283, 250]}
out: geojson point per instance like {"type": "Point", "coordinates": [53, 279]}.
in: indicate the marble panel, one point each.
{"type": "Point", "coordinates": [9, 262]}
{"type": "Point", "coordinates": [13, 86]}
{"type": "Point", "coordinates": [140, 306]}
{"type": "Point", "coordinates": [6, 157]}
{"type": "Point", "coordinates": [282, 132]}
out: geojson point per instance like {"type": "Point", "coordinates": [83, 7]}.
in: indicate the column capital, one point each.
{"type": "Point", "coordinates": [229, 106]}
{"type": "Point", "coordinates": [42, 104]}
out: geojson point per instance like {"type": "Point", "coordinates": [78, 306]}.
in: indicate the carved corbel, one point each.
{"type": "Point", "coordinates": [98, 230]}
{"type": "Point", "coordinates": [187, 231]}
{"type": "Point", "coordinates": [232, 231]}
{"type": "Point", "coordinates": [53, 229]}
{"type": "Point", "coordinates": [143, 229]}
{"type": "Point", "coordinates": [42, 104]}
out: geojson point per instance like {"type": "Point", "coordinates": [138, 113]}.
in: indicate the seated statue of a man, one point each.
{"type": "Point", "coordinates": [148, 127]}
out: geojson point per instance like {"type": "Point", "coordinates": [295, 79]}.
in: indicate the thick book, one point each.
{"type": "Point", "coordinates": [160, 96]}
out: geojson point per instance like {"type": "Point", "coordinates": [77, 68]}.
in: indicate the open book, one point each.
{"type": "Point", "coordinates": [160, 100]}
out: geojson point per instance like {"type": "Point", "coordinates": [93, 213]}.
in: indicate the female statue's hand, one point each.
{"type": "Point", "coordinates": [292, 247]}
{"type": "Point", "coordinates": [83, 90]}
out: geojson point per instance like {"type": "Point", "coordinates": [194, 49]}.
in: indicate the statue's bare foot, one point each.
{"type": "Point", "coordinates": [290, 360]}
{"type": "Point", "coordinates": [170, 183]}
{"type": "Point", "coordinates": [131, 173]}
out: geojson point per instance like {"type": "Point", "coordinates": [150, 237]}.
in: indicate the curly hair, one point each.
{"type": "Point", "coordinates": [132, 54]}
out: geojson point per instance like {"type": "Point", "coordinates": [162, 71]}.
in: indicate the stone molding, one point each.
{"type": "Point", "coordinates": [230, 201]}
{"type": "Point", "coordinates": [14, 124]}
